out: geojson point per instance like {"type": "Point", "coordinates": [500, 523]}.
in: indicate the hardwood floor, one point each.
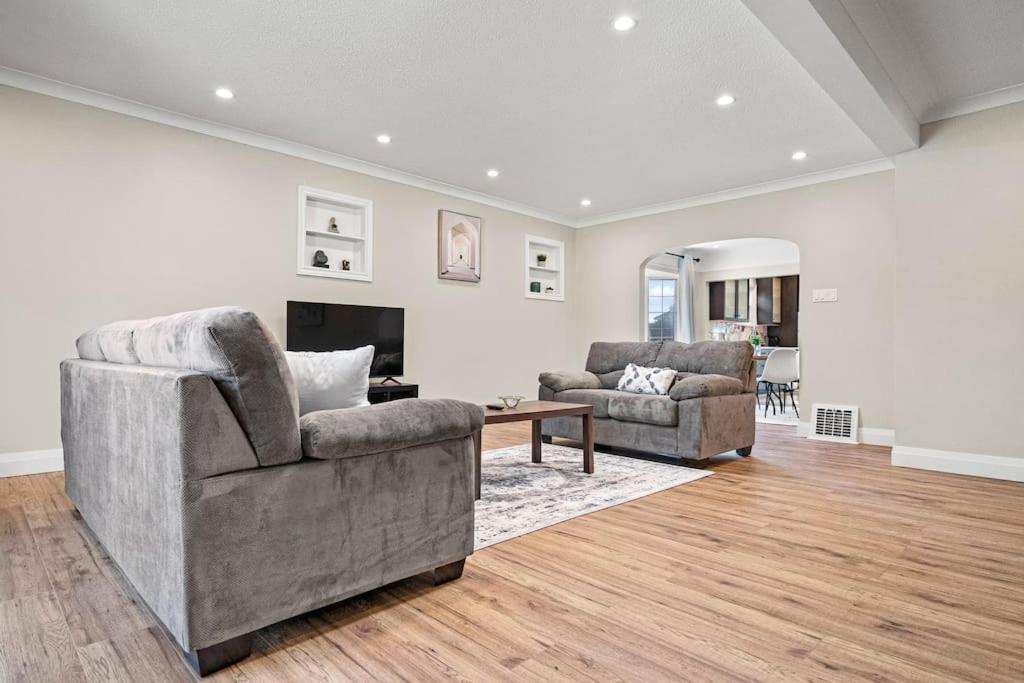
{"type": "Point", "coordinates": [806, 561]}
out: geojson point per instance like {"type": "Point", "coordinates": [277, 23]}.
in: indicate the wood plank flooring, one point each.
{"type": "Point", "coordinates": [806, 561]}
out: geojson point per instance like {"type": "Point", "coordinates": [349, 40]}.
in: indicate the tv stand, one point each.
{"type": "Point", "coordinates": [393, 390]}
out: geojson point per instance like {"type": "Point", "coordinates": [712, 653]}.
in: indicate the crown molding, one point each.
{"type": "Point", "coordinates": [93, 98]}
{"type": "Point", "coordinates": [975, 103]}
{"type": "Point", "coordinates": [740, 192]}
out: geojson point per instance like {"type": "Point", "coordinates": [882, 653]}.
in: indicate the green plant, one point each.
{"type": "Point", "coordinates": [755, 340]}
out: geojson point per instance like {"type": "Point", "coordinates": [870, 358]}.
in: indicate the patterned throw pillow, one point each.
{"type": "Point", "coordinates": [640, 380]}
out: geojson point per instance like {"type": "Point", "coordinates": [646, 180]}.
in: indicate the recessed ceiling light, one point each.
{"type": "Point", "coordinates": [383, 138]}
{"type": "Point", "coordinates": [224, 93]}
{"type": "Point", "coordinates": [624, 23]}
{"type": "Point", "coordinates": [493, 173]}
{"type": "Point", "coordinates": [725, 100]}
{"type": "Point", "coordinates": [799, 155]}
{"type": "Point", "coordinates": [584, 202]}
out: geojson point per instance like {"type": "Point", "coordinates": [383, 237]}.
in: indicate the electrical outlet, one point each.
{"type": "Point", "coordinates": [824, 295]}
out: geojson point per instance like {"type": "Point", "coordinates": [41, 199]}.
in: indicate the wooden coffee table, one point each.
{"type": "Point", "coordinates": [535, 411]}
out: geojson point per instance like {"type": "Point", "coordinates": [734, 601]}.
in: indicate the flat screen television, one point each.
{"type": "Point", "coordinates": [335, 327]}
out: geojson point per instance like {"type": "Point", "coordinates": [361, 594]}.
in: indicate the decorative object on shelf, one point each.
{"type": "Point", "coordinates": [542, 260]}
{"type": "Point", "coordinates": [332, 226]}
{"type": "Point", "coordinates": [549, 290]}
{"type": "Point", "coordinates": [346, 264]}
{"type": "Point", "coordinates": [544, 268]}
{"type": "Point", "coordinates": [535, 287]}
{"type": "Point", "coordinates": [320, 259]}
{"type": "Point", "coordinates": [458, 246]}
{"type": "Point", "coordinates": [511, 400]}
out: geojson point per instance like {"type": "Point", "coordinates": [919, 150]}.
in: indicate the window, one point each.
{"type": "Point", "coordinates": [661, 309]}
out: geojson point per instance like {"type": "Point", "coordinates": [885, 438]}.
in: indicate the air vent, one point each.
{"type": "Point", "coordinates": [834, 423]}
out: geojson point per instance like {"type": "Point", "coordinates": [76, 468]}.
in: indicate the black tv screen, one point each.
{"type": "Point", "coordinates": [336, 327]}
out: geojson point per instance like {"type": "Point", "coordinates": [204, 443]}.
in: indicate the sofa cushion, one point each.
{"type": "Point", "coordinates": [699, 386]}
{"type": "Point", "coordinates": [732, 359]}
{"type": "Point", "coordinates": [637, 379]}
{"type": "Point", "coordinates": [330, 380]}
{"type": "Point", "coordinates": [596, 397]}
{"type": "Point", "coordinates": [236, 350]}
{"type": "Point", "coordinates": [610, 380]}
{"type": "Point", "coordinates": [348, 433]}
{"type": "Point", "coordinates": [611, 356]}
{"type": "Point", "coordinates": [644, 408]}
{"type": "Point", "coordinates": [111, 342]}
{"type": "Point", "coordinates": [560, 381]}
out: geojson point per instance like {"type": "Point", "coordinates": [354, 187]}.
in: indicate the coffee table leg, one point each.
{"type": "Point", "coordinates": [588, 443]}
{"type": "Point", "coordinates": [536, 441]}
{"type": "Point", "coordinates": [477, 445]}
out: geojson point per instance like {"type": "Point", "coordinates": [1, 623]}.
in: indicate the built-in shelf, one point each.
{"type": "Point", "coordinates": [550, 277]}
{"type": "Point", "coordinates": [349, 251]}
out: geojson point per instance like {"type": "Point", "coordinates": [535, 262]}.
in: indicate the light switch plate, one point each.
{"type": "Point", "coordinates": [824, 295]}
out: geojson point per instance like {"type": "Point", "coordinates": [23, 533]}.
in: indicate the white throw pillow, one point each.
{"type": "Point", "coordinates": [332, 379]}
{"type": "Point", "coordinates": [640, 380]}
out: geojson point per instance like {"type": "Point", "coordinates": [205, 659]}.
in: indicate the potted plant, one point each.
{"type": "Point", "coordinates": [542, 260]}
{"type": "Point", "coordinates": [755, 340]}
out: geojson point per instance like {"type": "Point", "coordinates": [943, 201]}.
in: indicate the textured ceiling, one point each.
{"type": "Point", "coordinates": [545, 91]}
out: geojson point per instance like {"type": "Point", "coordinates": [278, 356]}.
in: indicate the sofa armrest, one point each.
{"type": "Point", "coordinates": [332, 434]}
{"type": "Point", "coordinates": [699, 386]}
{"type": "Point", "coordinates": [560, 381]}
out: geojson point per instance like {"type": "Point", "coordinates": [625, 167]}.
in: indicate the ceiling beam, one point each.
{"type": "Point", "coordinates": [824, 39]}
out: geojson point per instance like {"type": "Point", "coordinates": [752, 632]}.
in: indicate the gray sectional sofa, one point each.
{"type": "Point", "coordinates": [709, 408]}
{"type": "Point", "coordinates": [185, 455]}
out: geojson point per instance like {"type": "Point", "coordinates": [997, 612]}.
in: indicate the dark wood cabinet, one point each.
{"type": "Point", "coordinates": [729, 300]}
{"type": "Point", "coordinates": [769, 301]}
{"type": "Point", "coordinates": [787, 330]}
{"type": "Point", "coordinates": [382, 393]}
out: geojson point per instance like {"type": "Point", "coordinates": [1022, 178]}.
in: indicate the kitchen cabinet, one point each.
{"type": "Point", "coordinates": [729, 300]}
{"type": "Point", "coordinates": [769, 300]}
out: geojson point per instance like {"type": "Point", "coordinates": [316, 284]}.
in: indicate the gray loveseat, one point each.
{"type": "Point", "coordinates": [709, 408]}
{"type": "Point", "coordinates": [185, 454]}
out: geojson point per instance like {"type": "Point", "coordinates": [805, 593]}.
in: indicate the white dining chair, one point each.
{"type": "Point", "coordinates": [781, 369]}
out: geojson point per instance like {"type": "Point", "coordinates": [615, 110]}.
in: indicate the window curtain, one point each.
{"type": "Point", "coordinates": [686, 296]}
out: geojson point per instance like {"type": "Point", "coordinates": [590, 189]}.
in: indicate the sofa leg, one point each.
{"type": "Point", "coordinates": [205, 661]}
{"type": "Point", "coordinates": [449, 572]}
{"type": "Point", "coordinates": [545, 438]}
{"type": "Point", "coordinates": [744, 451]}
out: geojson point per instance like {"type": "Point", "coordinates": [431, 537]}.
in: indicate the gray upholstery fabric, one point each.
{"type": "Point", "coordinates": [331, 434]}
{"type": "Point", "coordinates": [731, 359]}
{"type": "Point", "coordinates": [111, 342]}
{"type": "Point", "coordinates": [326, 530]}
{"type": "Point", "coordinates": [644, 408]}
{"type": "Point", "coordinates": [709, 409]}
{"type": "Point", "coordinates": [633, 436]}
{"type": "Point", "coordinates": [697, 386]}
{"type": "Point", "coordinates": [239, 353]}
{"type": "Point", "coordinates": [596, 397]}
{"type": "Point", "coordinates": [218, 546]}
{"type": "Point", "coordinates": [560, 381]}
{"type": "Point", "coordinates": [612, 356]}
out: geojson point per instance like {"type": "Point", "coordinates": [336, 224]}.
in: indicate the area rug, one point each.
{"type": "Point", "coordinates": [518, 496]}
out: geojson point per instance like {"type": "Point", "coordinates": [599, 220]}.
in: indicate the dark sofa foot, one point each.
{"type": "Point", "coordinates": [448, 572]}
{"type": "Point", "coordinates": [546, 439]}
{"type": "Point", "coordinates": [214, 658]}
{"type": "Point", "coordinates": [744, 451]}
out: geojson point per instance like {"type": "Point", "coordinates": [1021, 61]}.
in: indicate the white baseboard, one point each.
{"type": "Point", "coordinates": [971, 464]}
{"type": "Point", "coordinates": [31, 462]}
{"type": "Point", "coordinates": [872, 436]}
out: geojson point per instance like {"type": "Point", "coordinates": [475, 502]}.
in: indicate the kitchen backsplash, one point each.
{"type": "Point", "coordinates": [723, 331]}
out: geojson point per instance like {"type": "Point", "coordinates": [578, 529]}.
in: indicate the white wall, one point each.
{"type": "Point", "coordinates": [959, 322]}
{"type": "Point", "coordinates": [105, 217]}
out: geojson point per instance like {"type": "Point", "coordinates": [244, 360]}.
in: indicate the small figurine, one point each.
{"type": "Point", "coordinates": [346, 264]}
{"type": "Point", "coordinates": [320, 259]}
{"type": "Point", "coordinates": [332, 226]}
{"type": "Point", "coordinates": [549, 290]}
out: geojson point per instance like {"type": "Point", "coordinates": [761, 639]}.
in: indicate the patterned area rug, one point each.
{"type": "Point", "coordinates": [518, 496]}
